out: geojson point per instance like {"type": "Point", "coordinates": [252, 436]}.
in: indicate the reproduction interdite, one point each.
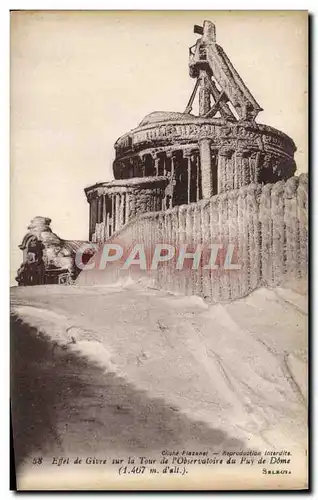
{"type": "Point", "coordinates": [163, 344]}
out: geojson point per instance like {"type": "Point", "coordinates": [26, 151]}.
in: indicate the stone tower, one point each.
{"type": "Point", "coordinates": [175, 158]}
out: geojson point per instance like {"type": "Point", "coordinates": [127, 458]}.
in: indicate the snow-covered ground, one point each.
{"type": "Point", "coordinates": [239, 367]}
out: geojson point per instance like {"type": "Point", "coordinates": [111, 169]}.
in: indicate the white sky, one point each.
{"type": "Point", "coordinates": [79, 80]}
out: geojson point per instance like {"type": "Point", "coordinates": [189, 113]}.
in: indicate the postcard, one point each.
{"type": "Point", "coordinates": [159, 250]}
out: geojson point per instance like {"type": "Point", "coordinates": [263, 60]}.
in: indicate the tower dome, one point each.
{"type": "Point", "coordinates": [164, 116]}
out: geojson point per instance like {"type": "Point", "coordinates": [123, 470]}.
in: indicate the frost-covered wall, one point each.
{"type": "Point", "coordinates": [266, 224]}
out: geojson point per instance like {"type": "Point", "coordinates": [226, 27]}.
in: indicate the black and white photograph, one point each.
{"type": "Point", "coordinates": [159, 250]}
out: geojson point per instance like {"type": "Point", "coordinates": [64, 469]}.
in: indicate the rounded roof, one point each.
{"type": "Point", "coordinates": [164, 116]}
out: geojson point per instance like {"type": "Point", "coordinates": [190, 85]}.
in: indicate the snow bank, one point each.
{"type": "Point", "coordinates": [241, 367]}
